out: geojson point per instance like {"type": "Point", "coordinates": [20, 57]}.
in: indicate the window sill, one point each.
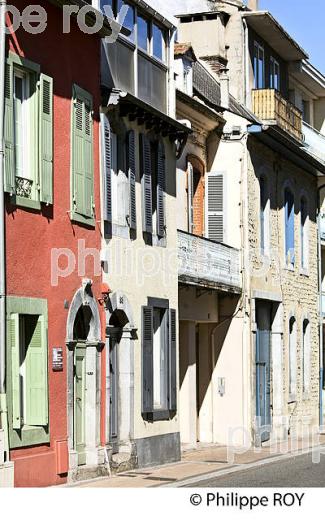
{"type": "Point", "coordinates": [158, 415]}
{"type": "Point", "coordinates": [25, 203]}
{"type": "Point", "coordinates": [304, 272]}
{"type": "Point", "coordinates": [120, 231]}
{"type": "Point", "coordinates": [81, 219]}
{"type": "Point", "coordinates": [292, 399]}
{"type": "Point", "coordinates": [28, 436]}
{"type": "Point", "coordinates": [159, 241]}
{"type": "Point", "coordinates": [289, 267]}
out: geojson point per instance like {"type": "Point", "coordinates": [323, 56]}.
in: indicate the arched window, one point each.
{"type": "Point", "coordinates": [306, 356]}
{"type": "Point", "coordinates": [264, 215]}
{"type": "Point", "coordinates": [304, 241]}
{"type": "Point", "coordinates": [292, 359]}
{"type": "Point", "coordinates": [289, 210]}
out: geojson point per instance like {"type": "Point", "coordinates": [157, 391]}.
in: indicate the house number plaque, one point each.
{"type": "Point", "coordinates": [57, 359]}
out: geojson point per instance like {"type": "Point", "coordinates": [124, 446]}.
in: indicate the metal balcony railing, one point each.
{"type": "Point", "coordinates": [206, 263]}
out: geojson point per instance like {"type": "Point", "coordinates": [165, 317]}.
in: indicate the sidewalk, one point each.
{"type": "Point", "coordinates": [200, 462]}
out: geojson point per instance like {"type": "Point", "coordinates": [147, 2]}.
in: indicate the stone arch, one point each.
{"type": "Point", "coordinates": [84, 298]}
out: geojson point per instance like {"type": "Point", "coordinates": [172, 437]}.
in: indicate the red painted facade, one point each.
{"type": "Point", "coordinates": [31, 235]}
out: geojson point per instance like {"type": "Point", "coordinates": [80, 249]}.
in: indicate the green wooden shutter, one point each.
{"type": "Point", "coordinates": [161, 188]}
{"type": "Point", "coordinates": [146, 184]}
{"type": "Point", "coordinates": [15, 366]}
{"type": "Point", "coordinates": [46, 139]}
{"type": "Point", "coordinates": [88, 158]}
{"type": "Point", "coordinates": [36, 372]}
{"type": "Point", "coordinates": [82, 153]}
{"type": "Point", "coordinates": [147, 359]}
{"type": "Point", "coordinates": [132, 179]}
{"type": "Point", "coordinates": [9, 179]}
{"type": "Point", "coordinates": [172, 360]}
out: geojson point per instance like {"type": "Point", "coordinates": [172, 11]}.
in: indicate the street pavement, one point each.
{"type": "Point", "coordinates": [299, 471]}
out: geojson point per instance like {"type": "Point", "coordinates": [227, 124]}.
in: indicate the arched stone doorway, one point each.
{"type": "Point", "coordinates": [120, 336]}
{"type": "Point", "coordinates": [83, 368]}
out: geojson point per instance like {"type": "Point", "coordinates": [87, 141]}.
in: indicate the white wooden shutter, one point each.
{"type": "Point", "coordinates": [190, 214]}
{"type": "Point", "coordinates": [106, 168]}
{"type": "Point", "coordinates": [214, 197]}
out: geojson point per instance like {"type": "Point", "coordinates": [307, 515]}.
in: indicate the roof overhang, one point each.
{"type": "Point", "coordinates": [287, 146]}
{"type": "Point", "coordinates": [263, 23]}
{"type": "Point", "coordinates": [198, 113]}
{"type": "Point", "coordinates": [309, 77]}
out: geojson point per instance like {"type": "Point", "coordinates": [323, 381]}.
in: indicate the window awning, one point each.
{"type": "Point", "coordinates": [263, 23]}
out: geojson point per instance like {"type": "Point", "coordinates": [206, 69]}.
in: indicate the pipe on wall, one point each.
{"type": "Point", "coordinates": [3, 400]}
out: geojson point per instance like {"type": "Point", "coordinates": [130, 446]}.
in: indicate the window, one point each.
{"type": "Point", "coordinates": [195, 195]}
{"type": "Point", "coordinates": [289, 227]}
{"type": "Point", "coordinates": [160, 359]}
{"type": "Point", "coordinates": [158, 43]}
{"type": "Point", "coordinates": [143, 33]}
{"type": "Point", "coordinates": [159, 385]}
{"type": "Point", "coordinates": [274, 74]}
{"type": "Point", "coordinates": [119, 178]}
{"type": "Point", "coordinates": [82, 157]}
{"type": "Point", "coordinates": [259, 67]}
{"type": "Point", "coordinates": [292, 359]}
{"type": "Point", "coordinates": [306, 356]}
{"type": "Point", "coordinates": [153, 180]}
{"type": "Point", "coordinates": [28, 133]}
{"type": "Point", "coordinates": [304, 242]}
{"type": "Point", "coordinates": [264, 216]}
{"type": "Point", "coordinates": [28, 374]}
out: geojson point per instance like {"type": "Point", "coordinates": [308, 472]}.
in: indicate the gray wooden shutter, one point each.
{"type": "Point", "coordinates": [9, 178]}
{"type": "Point", "coordinates": [172, 360]}
{"type": "Point", "coordinates": [146, 184]}
{"type": "Point", "coordinates": [161, 188]}
{"type": "Point", "coordinates": [147, 359]}
{"type": "Point", "coordinates": [190, 197]}
{"type": "Point", "coordinates": [106, 168]}
{"type": "Point", "coordinates": [46, 139]}
{"type": "Point", "coordinates": [132, 180]}
{"type": "Point", "coordinates": [215, 206]}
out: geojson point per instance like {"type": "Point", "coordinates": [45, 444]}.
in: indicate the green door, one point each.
{"type": "Point", "coordinates": [79, 402]}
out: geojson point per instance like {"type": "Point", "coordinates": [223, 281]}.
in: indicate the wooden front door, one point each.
{"type": "Point", "coordinates": [80, 402]}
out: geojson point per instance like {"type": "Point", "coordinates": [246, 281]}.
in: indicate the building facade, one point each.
{"type": "Point", "coordinates": [52, 204]}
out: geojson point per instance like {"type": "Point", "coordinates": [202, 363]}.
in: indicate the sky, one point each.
{"type": "Point", "coordinates": [299, 19]}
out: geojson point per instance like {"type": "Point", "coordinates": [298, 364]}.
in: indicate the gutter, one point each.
{"type": "Point", "coordinates": [3, 407]}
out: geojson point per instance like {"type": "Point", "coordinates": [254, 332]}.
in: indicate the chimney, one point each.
{"type": "Point", "coordinates": [224, 88]}
{"type": "Point", "coordinates": [253, 4]}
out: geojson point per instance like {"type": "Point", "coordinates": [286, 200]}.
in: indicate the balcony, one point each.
{"type": "Point", "coordinates": [208, 264]}
{"type": "Point", "coordinates": [314, 141]}
{"type": "Point", "coordinates": [269, 106]}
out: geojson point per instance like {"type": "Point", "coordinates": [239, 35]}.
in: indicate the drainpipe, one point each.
{"type": "Point", "coordinates": [321, 310]}
{"type": "Point", "coordinates": [3, 407]}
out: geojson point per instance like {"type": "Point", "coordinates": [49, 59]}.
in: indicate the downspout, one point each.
{"type": "Point", "coordinates": [247, 95]}
{"type": "Point", "coordinates": [321, 310]}
{"type": "Point", "coordinates": [3, 406]}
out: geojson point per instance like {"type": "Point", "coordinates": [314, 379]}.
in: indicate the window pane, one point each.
{"type": "Point", "coordinates": [143, 36]}
{"type": "Point", "coordinates": [129, 21]}
{"type": "Point", "coordinates": [158, 43]}
{"type": "Point", "coordinates": [160, 359]}
{"type": "Point", "coordinates": [108, 4]}
{"type": "Point", "coordinates": [289, 226]}
{"type": "Point", "coordinates": [261, 68]}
